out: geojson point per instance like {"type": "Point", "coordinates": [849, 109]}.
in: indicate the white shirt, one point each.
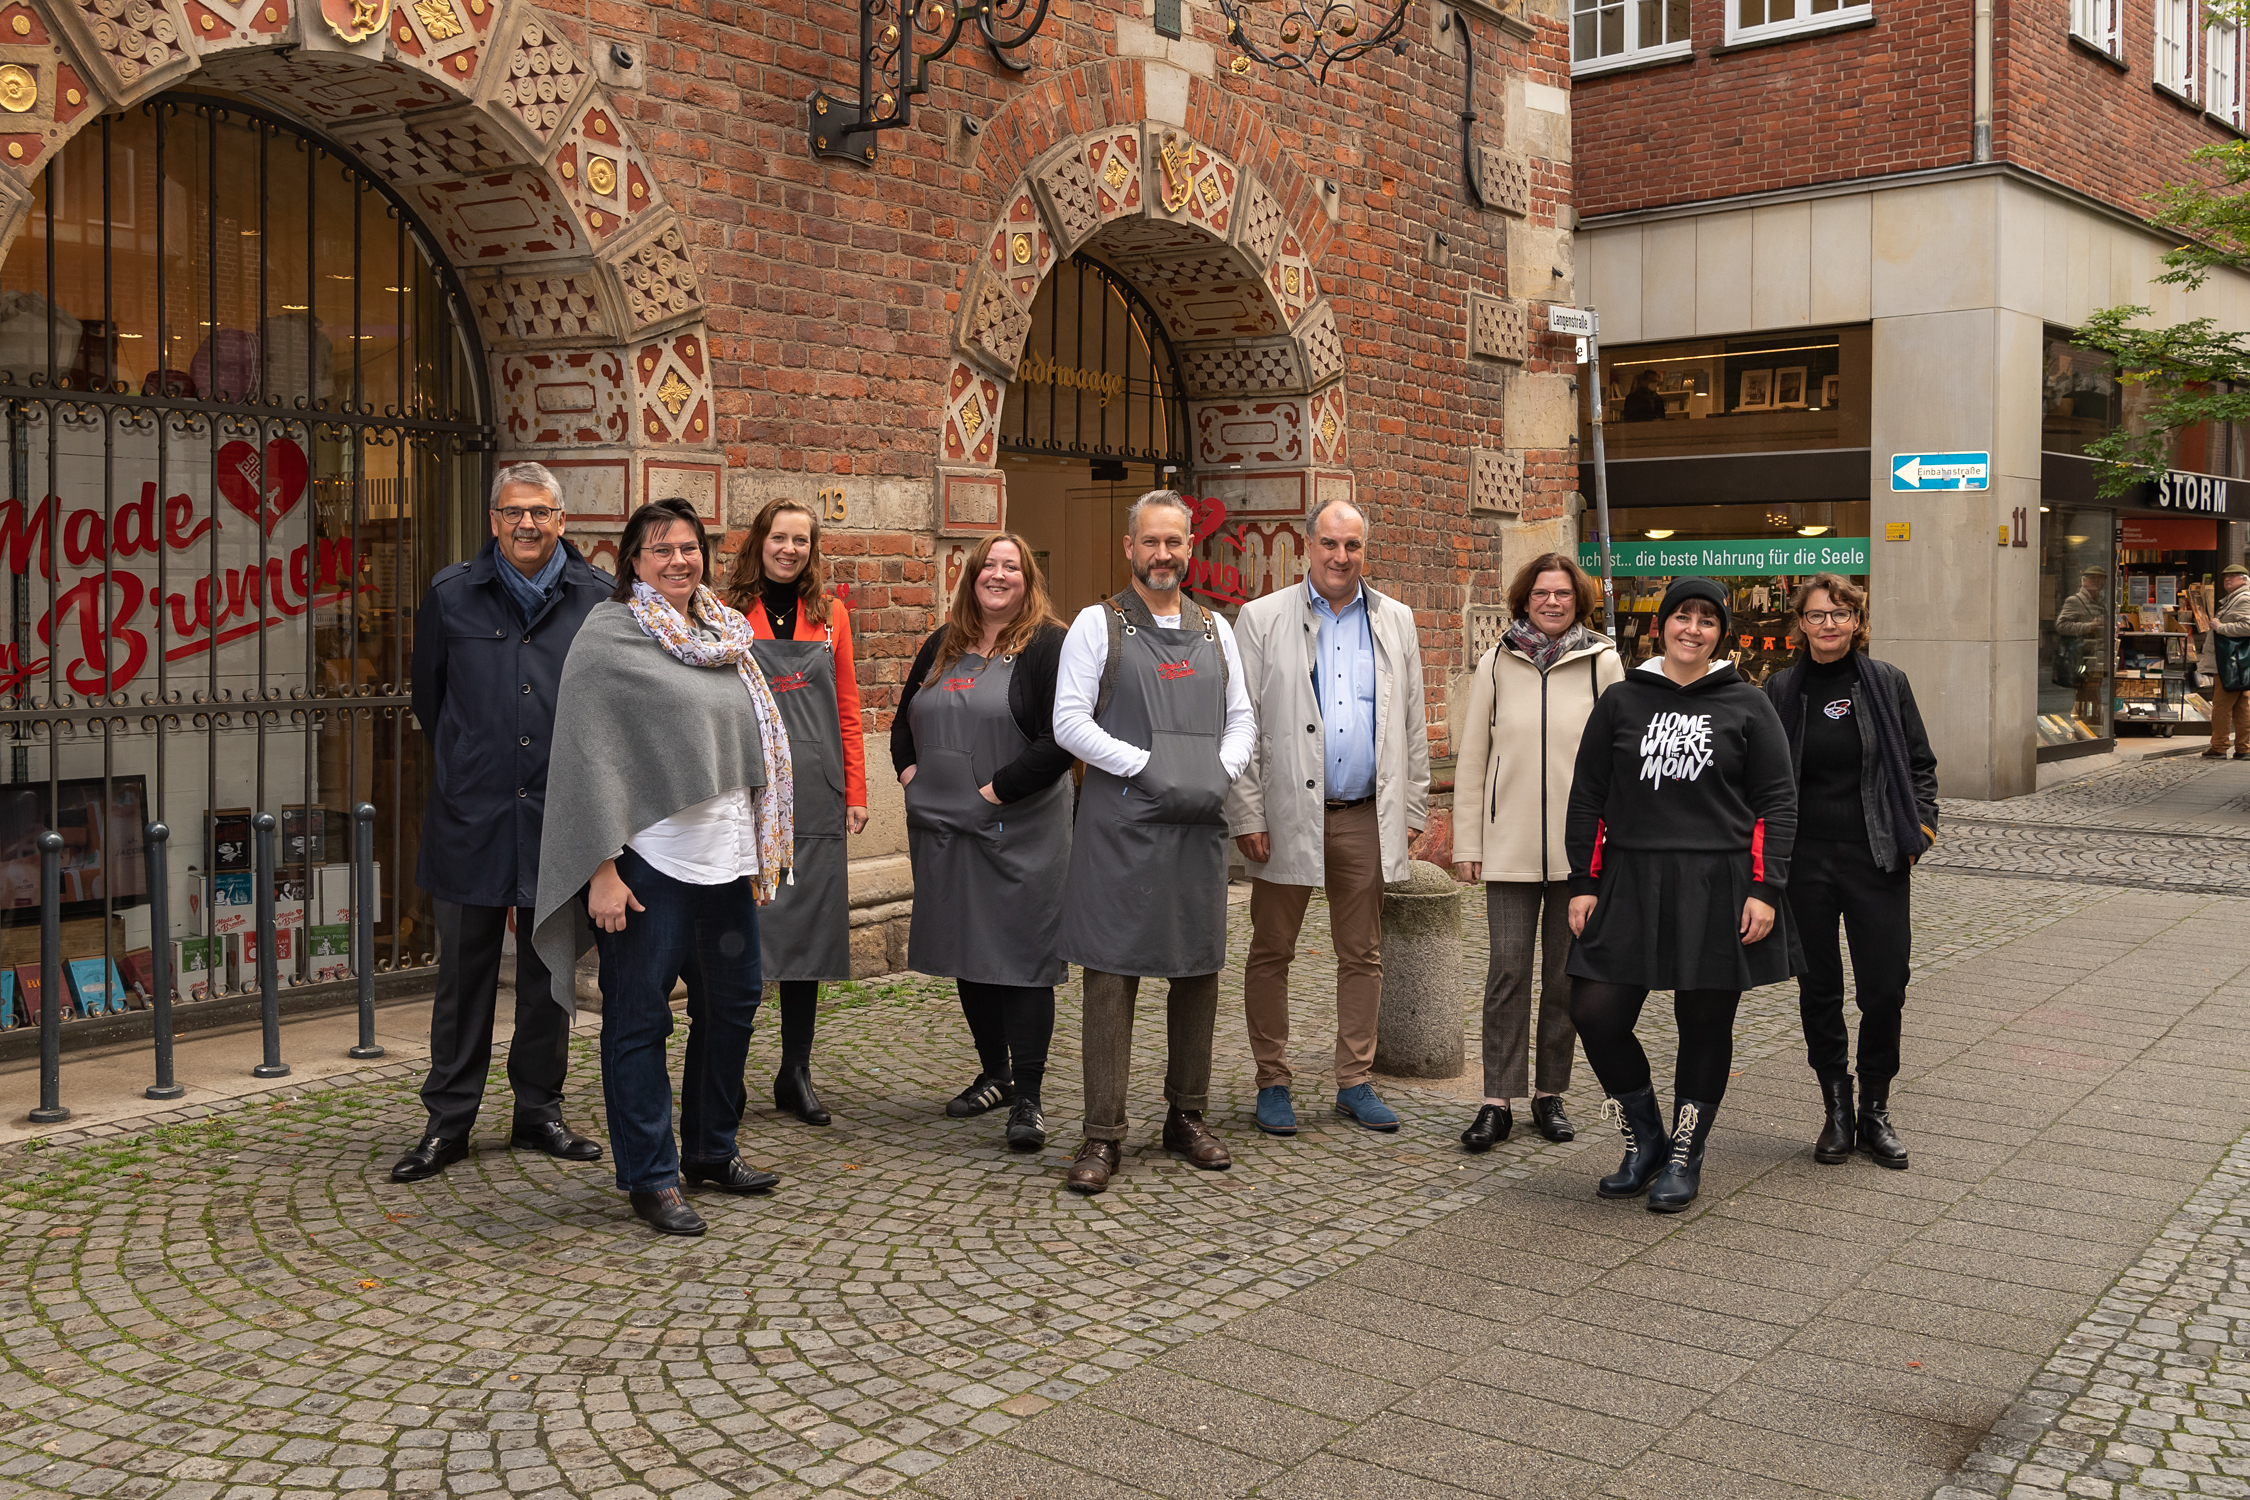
{"type": "Point", "coordinates": [712, 843]}
{"type": "Point", "coordinates": [1078, 680]}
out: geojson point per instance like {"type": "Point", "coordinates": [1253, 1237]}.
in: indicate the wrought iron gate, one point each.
{"type": "Point", "coordinates": [1097, 379]}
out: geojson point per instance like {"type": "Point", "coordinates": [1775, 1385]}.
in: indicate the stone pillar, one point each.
{"type": "Point", "coordinates": [1420, 1033]}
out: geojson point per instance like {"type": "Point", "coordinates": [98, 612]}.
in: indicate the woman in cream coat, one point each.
{"type": "Point", "coordinates": [1527, 705]}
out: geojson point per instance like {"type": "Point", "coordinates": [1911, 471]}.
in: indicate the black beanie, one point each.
{"type": "Point", "coordinates": [1706, 589]}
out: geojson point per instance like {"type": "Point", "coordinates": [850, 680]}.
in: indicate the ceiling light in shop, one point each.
{"type": "Point", "coordinates": [1812, 531]}
{"type": "Point", "coordinates": [1657, 536]}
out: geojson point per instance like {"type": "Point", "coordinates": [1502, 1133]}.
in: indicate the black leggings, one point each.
{"type": "Point", "coordinates": [1012, 1024]}
{"type": "Point", "coordinates": [800, 1004]}
{"type": "Point", "coordinates": [1606, 1014]}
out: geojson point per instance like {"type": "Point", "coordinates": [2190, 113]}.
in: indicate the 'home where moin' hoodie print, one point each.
{"type": "Point", "coordinates": [1675, 747]}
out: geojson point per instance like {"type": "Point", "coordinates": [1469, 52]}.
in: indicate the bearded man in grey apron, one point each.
{"type": "Point", "coordinates": [1150, 695]}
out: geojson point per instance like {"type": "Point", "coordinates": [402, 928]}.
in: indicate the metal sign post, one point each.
{"type": "Point", "coordinates": [1586, 325]}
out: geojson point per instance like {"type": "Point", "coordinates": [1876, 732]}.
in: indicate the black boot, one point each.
{"type": "Point", "coordinates": [1835, 1143]}
{"type": "Point", "coordinates": [1637, 1119]}
{"type": "Point", "coordinates": [1876, 1137]}
{"type": "Point", "coordinates": [793, 1094]}
{"type": "Point", "coordinates": [1676, 1186]}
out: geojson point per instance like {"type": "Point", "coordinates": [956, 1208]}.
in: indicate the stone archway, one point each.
{"type": "Point", "coordinates": [578, 273]}
{"type": "Point", "coordinates": [1212, 248]}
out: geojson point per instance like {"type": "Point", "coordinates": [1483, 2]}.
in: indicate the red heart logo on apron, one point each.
{"type": "Point", "coordinates": [263, 492]}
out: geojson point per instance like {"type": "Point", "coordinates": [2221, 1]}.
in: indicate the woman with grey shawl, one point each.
{"type": "Point", "coordinates": [669, 824]}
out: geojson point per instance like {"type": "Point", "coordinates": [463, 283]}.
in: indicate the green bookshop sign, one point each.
{"type": "Point", "coordinates": [1752, 556]}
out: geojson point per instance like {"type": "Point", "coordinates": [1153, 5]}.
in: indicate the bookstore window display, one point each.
{"type": "Point", "coordinates": [2167, 565]}
{"type": "Point", "coordinates": [2077, 640]}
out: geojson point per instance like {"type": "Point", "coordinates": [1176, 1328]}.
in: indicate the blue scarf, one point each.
{"type": "Point", "coordinates": [530, 594]}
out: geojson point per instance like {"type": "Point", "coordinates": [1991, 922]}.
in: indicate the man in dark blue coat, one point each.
{"type": "Point", "coordinates": [489, 646]}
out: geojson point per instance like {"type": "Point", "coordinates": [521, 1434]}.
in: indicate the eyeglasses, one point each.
{"type": "Point", "coordinates": [1825, 616]}
{"type": "Point", "coordinates": [686, 552]}
{"type": "Point", "coordinates": [1554, 596]}
{"type": "Point", "coordinates": [537, 515]}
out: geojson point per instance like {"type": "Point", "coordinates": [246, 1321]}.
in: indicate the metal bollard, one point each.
{"type": "Point", "coordinates": [160, 958]}
{"type": "Point", "coordinates": [363, 926]}
{"type": "Point", "coordinates": [269, 982]}
{"type": "Point", "coordinates": [50, 1110]}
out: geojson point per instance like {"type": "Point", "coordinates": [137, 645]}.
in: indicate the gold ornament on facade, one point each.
{"type": "Point", "coordinates": [1020, 248]}
{"type": "Point", "coordinates": [568, 171]}
{"type": "Point", "coordinates": [1115, 173]}
{"type": "Point", "coordinates": [1179, 181]}
{"type": "Point", "coordinates": [1328, 429]}
{"type": "Point", "coordinates": [601, 175]}
{"type": "Point", "coordinates": [1289, 280]}
{"type": "Point", "coordinates": [19, 90]}
{"type": "Point", "coordinates": [22, 24]}
{"type": "Point", "coordinates": [1239, 66]}
{"type": "Point", "coordinates": [439, 19]}
{"type": "Point", "coordinates": [972, 418]}
{"type": "Point", "coordinates": [1210, 191]}
{"type": "Point", "coordinates": [356, 20]}
{"type": "Point", "coordinates": [674, 392]}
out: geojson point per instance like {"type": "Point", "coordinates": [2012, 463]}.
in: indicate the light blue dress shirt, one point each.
{"type": "Point", "coordinates": [1344, 687]}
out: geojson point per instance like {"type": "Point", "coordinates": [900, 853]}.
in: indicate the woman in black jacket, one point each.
{"type": "Point", "coordinates": [1682, 809]}
{"type": "Point", "coordinates": [1866, 809]}
{"type": "Point", "coordinates": [988, 817]}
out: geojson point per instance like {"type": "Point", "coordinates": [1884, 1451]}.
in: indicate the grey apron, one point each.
{"type": "Point", "coordinates": [988, 881]}
{"type": "Point", "coordinates": [806, 933]}
{"type": "Point", "coordinates": [1148, 865]}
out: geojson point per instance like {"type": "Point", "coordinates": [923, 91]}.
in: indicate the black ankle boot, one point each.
{"type": "Point", "coordinates": [1676, 1186]}
{"type": "Point", "coordinates": [793, 1094]}
{"type": "Point", "coordinates": [1876, 1137]}
{"type": "Point", "coordinates": [1835, 1143]}
{"type": "Point", "coordinates": [1637, 1119]}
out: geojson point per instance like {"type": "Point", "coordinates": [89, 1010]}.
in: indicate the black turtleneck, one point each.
{"type": "Point", "coordinates": [780, 601]}
{"type": "Point", "coordinates": [1831, 752]}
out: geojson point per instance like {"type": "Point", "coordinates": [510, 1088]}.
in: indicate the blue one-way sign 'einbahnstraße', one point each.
{"type": "Point", "coordinates": [1941, 471]}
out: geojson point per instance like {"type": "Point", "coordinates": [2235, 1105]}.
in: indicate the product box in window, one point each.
{"type": "Point", "coordinates": [330, 948]}
{"type": "Point", "coordinates": [284, 951]}
{"type": "Point", "coordinates": [196, 960]}
{"type": "Point", "coordinates": [7, 998]}
{"type": "Point", "coordinates": [140, 973]}
{"type": "Point", "coordinates": [332, 895]}
{"type": "Point", "coordinates": [95, 985]}
{"type": "Point", "coordinates": [232, 846]}
{"type": "Point", "coordinates": [27, 987]}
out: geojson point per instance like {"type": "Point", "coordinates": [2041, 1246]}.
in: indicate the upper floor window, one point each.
{"type": "Point", "coordinates": [2175, 46]}
{"type": "Point", "coordinates": [1610, 33]}
{"type": "Point", "coordinates": [2096, 23]}
{"type": "Point", "coordinates": [1749, 20]}
{"type": "Point", "coordinates": [2222, 72]}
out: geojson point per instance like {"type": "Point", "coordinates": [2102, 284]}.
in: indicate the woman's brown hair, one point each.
{"type": "Point", "coordinates": [655, 516]}
{"type": "Point", "coordinates": [1519, 592]}
{"type": "Point", "coordinates": [745, 582]}
{"type": "Point", "coordinates": [1841, 592]}
{"type": "Point", "coordinates": [964, 624]}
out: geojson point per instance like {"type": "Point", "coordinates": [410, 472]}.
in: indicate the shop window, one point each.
{"type": "Point", "coordinates": [2096, 23]}
{"type": "Point", "coordinates": [1751, 20]}
{"type": "Point", "coordinates": [2083, 400]}
{"type": "Point", "coordinates": [2175, 46]}
{"type": "Point", "coordinates": [1613, 33]}
{"type": "Point", "coordinates": [2222, 72]}
{"type": "Point", "coordinates": [2077, 627]}
{"type": "Point", "coordinates": [1798, 390]}
{"type": "Point", "coordinates": [246, 429]}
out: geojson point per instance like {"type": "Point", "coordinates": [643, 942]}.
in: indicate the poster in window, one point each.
{"type": "Point", "coordinates": [1831, 390]}
{"type": "Point", "coordinates": [1757, 391]}
{"type": "Point", "coordinates": [1789, 387]}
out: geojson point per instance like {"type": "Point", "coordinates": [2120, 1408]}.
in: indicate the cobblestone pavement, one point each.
{"type": "Point", "coordinates": [236, 1302]}
{"type": "Point", "coordinates": [2179, 824]}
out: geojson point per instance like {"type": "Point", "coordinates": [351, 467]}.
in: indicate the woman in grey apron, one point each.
{"type": "Point", "coordinates": [804, 646]}
{"type": "Point", "coordinates": [988, 812]}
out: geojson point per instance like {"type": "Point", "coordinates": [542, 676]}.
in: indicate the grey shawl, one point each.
{"type": "Point", "coordinates": [639, 736]}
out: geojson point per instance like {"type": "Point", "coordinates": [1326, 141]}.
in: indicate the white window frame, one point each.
{"type": "Point", "coordinates": [2222, 71]}
{"type": "Point", "coordinates": [2173, 61]}
{"type": "Point", "coordinates": [1634, 54]}
{"type": "Point", "coordinates": [1846, 13]}
{"type": "Point", "coordinates": [2097, 23]}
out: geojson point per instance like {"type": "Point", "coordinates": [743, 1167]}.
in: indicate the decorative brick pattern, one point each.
{"type": "Point", "coordinates": [1209, 296]}
{"type": "Point", "coordinates": [972, 504]}
{"type": "Point", "coordinates": [558, 306]}
{"type": "Point", "coordinates": [1504, 177]}
{"type": "Point", "coordinates": [1495, 481]}
{"type": "Point", "coordinates": [1191, 183]}
{"type": "Point", "coordinates": [1261, 224]}
{"type": "Point", "coordinates": [1020, 252]}
{"type": "Point", "coordinates": [1292, 280]}
{"type": "Point", "coordinates": [1074, 206]}
{"type": "Point", "coordinates": [503, 217]}
{"type": "Point", "coordinates": [1245, 369]}
{"type": "Point", "coordinates": [672, 390]}
{"type": "Point", "coordinates": [567, 396]}
{"type": "Point", "coordinates": [658, 275]}
{"type": "Point", "coordinates": [1324, 348]}
{"type": "Point", "coordinates": [329, 88]}
{"type": "Point", "coordinates": [444, 36]}
{"type": "Point", "coordinates": [537, 80]}
{"type": "Point", "coordinates": [41, 94]}
{"type": "Point", "coordinates": [606, 177]}
{"type": "Point", "coordinates": [141, 42]}
{"type": "Point", "coordinates": [972, 416]}
{"type": "Point", "coordinates": [1245, 434]}
{"type": "Point", "coordinates": [1498, 329]}
{"type": "Point", "coordinates": [1113, 166]}
{"type": "Point", "coordinates": [997, 324]}
{"type": "Point", "coordinates": [450, 143]}
{"type": "Point", "coordinates": [1325, 422]}
{"type": "Point", "coordinates": [674, 479]}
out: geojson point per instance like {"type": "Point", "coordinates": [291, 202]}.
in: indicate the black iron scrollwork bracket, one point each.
{"type": "Point", "coordinates": [1315, 36]}
{"type": "Point", "coordinates": [892, 74]}
{"type": "Point", "coordinates": [1457, 22]}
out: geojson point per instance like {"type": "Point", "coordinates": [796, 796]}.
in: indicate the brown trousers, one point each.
{"type": "Point", "coordinates": [2230, 711]}
{"type": "Point", "coordinates": [1353, 849]}
{"type": "Point", "coordinates": [1519, 915]}
{"type": "Point", "coordinates": [1191, 1014]}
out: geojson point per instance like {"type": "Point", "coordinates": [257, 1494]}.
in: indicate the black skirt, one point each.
{"type": "Point", "coordinates": [1673, 921]}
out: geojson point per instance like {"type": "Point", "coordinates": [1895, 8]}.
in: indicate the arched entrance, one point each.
{"type": "Point", "coordinates": [246, 421]}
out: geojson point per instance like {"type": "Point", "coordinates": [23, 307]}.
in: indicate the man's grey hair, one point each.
{"type": "Point", "coordinates": [1156, 498]}
{"type": "Point", "coordinates": [533, 474]}
{"type": "Point", "coordinates": [1312, 523]}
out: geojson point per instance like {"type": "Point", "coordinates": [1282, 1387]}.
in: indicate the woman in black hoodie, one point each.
{"type": "Point", "coordinates": [1682, 811]}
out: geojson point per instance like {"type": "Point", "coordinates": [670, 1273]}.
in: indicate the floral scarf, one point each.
{"type": "Point", "coordinates": [1544, 650]}
{"type": "Point", "coordinates": [775, 808]}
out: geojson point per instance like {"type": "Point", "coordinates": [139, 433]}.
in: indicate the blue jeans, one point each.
{"type": "Point", "coordinates": [708, 930]}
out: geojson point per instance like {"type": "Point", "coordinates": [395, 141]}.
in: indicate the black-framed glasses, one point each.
{"type": "Point", "coordinates": [517, 515]}
{"type": "Point", "coordinates": [1825, 616]}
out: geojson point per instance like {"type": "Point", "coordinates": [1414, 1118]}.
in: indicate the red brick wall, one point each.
{"type": "Point", "coordinates": [832, 290]}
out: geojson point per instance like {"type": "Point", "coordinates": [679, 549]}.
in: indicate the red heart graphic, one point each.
{"type": "Point", "coordinates": [263, 493]}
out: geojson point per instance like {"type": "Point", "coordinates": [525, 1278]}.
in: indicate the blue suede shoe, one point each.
{"type": "Point", "coordinates": [1359, 1103]}
{"type": "Point", "coordinates": [1276, 1115]}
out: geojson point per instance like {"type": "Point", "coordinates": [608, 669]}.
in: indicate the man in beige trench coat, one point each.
{"type": "Point", "coordinates": [1336, 795]}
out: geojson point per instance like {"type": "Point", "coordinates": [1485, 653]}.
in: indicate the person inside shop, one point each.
{"type": "Point", "coordinates": [1866, 810]}
{"type": "Point", "coordinates": [802, 637]}
{"type": "Point", "coordinates": [1645, 401]}
{"type": "Point", "coordinates": [2230, 706]}
{"type": "Point", "coordinates": [1340, 806]}
{"type": "Point", "coordinates": [672, 824]}
{"type": "Point", "coordinates": [988, 813]}
{"type": "Point", "coordinates": [1528, 704]}
{"type": "Point", "coordinates": [1150, 695]}
{"type": "Point", "coordinates": [1682, 811]}
{"type": "Point", "coordinates": [2083, 617]}
{"type": "Point", "coordinates": [489, 647]}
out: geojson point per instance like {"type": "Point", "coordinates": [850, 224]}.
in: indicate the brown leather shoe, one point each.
{"type": "Point", "coordinates": [1185, 1133]}
{"type": "Point", "coordinates": [1090, 1169]}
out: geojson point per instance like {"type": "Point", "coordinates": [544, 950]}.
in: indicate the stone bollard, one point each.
{"type": "Point", "coordinates": [1419, 1033]}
